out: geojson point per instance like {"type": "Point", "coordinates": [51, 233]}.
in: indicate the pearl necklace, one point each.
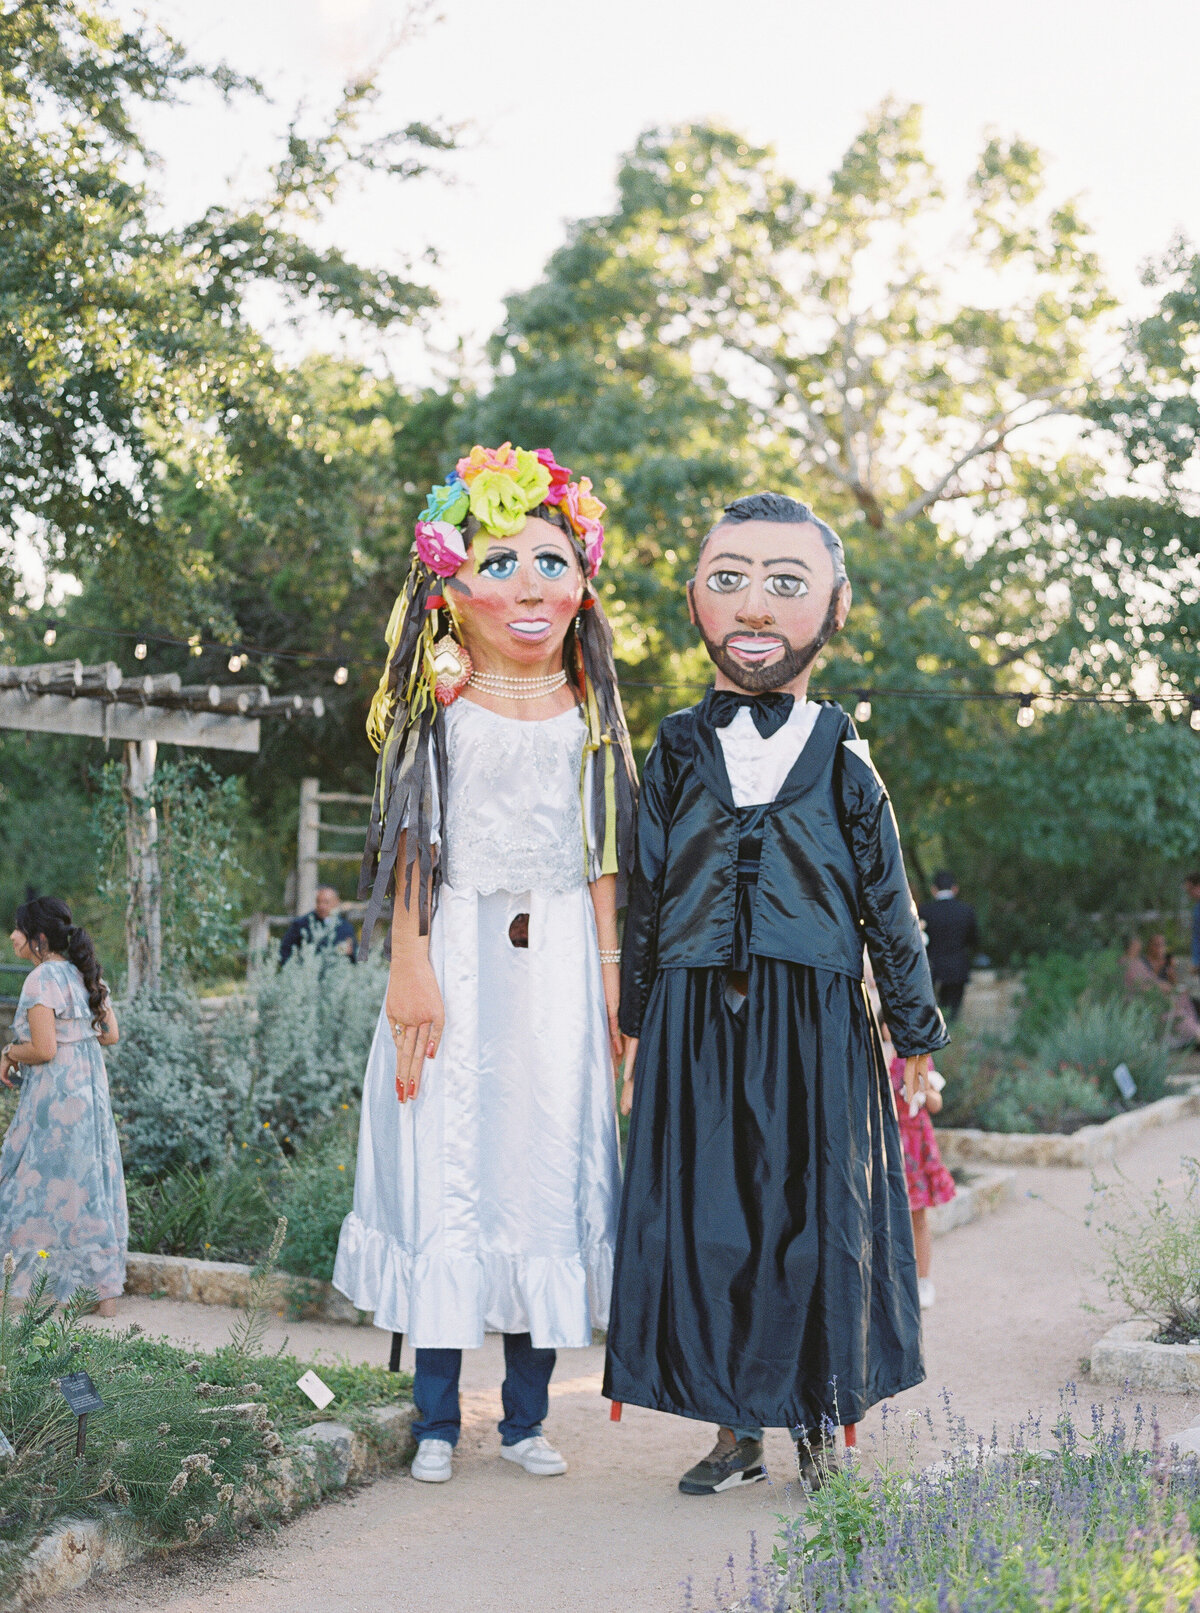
{"type": "Point", "coordinates": [503, 688]}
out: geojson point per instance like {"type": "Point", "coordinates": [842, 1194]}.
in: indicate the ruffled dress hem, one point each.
{"type": "Point", "coordinates": [449, 1301]}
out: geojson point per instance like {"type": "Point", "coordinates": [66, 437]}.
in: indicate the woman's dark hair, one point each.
{"type": "Point", "coordinates": [49, 918]}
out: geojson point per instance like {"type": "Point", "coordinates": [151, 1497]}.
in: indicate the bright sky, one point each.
{"type": "Point", "coordinates": [558, 90]}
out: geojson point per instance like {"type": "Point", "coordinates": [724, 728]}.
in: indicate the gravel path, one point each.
{"type": "Point", "coordinates": [614, 1535]}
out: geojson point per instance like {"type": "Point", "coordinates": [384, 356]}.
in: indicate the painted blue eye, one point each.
{"type": "Point", "coordinates": [551, 565]}
{"type": "Point", "coordinates": [499, 567]}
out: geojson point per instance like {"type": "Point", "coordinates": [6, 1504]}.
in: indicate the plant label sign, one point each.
{"type": "Point", "coordinates": [79, 1392]}
{"type": "Point", "coordinates": [319, 1393]}
{"type": "Point", "coordinates": [1126, 1085]}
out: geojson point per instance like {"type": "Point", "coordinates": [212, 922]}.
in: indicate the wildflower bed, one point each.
{"type": "Point", "coordinates": [185, 1445]}
{"type": "Point", "coordinates": [1103, 1518]}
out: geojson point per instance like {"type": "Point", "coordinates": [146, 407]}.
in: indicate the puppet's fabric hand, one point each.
{"type": "Point", "coordinates": [916, 1078]}
{"type": "Point", "coordinates": [631, 1047]}
{"type": "Point", "coordinates": [416, 1017]}
{"type": "Point", "coordinates": [612, 1000]}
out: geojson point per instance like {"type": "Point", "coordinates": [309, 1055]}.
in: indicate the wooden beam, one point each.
{"type": "Point", "coordinates": [106, 719]}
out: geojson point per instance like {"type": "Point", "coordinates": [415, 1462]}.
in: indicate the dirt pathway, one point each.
{"type": "Point", "coordinates": [614, 1535]}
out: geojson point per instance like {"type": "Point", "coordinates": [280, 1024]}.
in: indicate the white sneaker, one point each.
{"type": "Point", "coordinates": [431, 1464]}
{"type": "Point", "coordinates": [536, 1455]}
{"type": "Point", "coordinates": [926, 1292]}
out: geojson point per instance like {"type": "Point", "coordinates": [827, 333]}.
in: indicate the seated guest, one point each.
{"type": "Point", "coordinates": [314, 929]}
{"type": "Point", "coordinates": [62, 1189]}
{"type": "Point", "coordinates": [1151, 970]}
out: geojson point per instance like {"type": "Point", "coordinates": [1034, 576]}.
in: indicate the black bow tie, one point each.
{"type": "Point", "coordinates": [769, 711]}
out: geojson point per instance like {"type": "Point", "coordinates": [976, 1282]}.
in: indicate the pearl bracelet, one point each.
{"type": "Point", "coordinates": [613, 956]}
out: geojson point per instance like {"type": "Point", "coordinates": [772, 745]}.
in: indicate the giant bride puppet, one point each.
{"type": "Point", "coordinates": [487, 1183]}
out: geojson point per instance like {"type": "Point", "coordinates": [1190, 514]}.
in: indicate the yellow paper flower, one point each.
{"type": "Point", "coordinates": [532, 478]}
{"type": "Point", "coordinates": [498, 503]}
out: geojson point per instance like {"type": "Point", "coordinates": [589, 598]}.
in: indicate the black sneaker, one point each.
{"type": "Point", "coordinates": [815, 1455]}
{"type": "Point", "coordinates": [730, 1462]}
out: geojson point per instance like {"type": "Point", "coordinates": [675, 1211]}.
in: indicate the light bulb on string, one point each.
{"type": "Point", "coordinates": [236, 662]}
{"type": "Point", "coordinates": [49, 636]}
{"type": "Point", "coordinates": [1025, 712]}
{"type": "Point", "coordinates": [1194, 719]}
{"type": "Point", "coordinates": [139, 650]}
{"type": "Point", "coordinates": [341, 675]}
{"type": "Point", "coordinates": [194, 645]}
{"type": "Point", "coordinates": [862, 708]}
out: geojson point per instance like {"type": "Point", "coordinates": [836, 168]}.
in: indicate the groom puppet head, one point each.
{"type": "Point", "coordinates": [770, 590]}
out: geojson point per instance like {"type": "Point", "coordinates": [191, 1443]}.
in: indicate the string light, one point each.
{"type": "Point", "coordinates": [236, 663]}
{"type": "Point", "coordinates": [1025, 712]}
{"type": "Point", "coordinates": [862, 708]}
{"type": "Point", "coordinates": [341, 675]}
{"type": "Point", "coordinates": [139, 650]}
{"type": "Point", "coordinates": [49, 636]}
{"type": "Point", "coordinates": [1194, 719]}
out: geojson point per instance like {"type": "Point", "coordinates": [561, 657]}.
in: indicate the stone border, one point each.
{"type": "Point", "coordinates": [983, 1192]}
{"type": "Point", "coordinates": [1127, 1355]}
{"type": "Point", "coordinates": [320, 1459]}
{"type": "Point", "coordinates": [1087, 1146]}
{"type": "Point", "coordinates": [225, 1282]}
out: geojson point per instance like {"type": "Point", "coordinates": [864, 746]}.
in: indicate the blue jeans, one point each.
{"type": "Point", "coordinates": [525, 1392]}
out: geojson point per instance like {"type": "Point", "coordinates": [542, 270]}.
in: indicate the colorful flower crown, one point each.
{"type": "Point", "coordinates": [499, 487]}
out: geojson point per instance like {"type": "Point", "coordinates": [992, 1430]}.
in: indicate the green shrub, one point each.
{"type": "Point", "coordinates": [1054, 983]}
{"type": "Point", "coordinates": [316, 1193]}
{"type": "Point", "coordinates": [1029, 1099]}
{"type": "Point", "coordinates": [225, 1213]}
{"type": "Point", "coordinates": [190, 1082]}
{"type": "Point", "coordinates": [1151, 1245]}
{"type": "Point", "coordinates": [1097, 1035]}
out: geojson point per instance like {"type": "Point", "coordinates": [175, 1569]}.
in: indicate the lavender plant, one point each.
{"type": "Point", "coordinates": [1098, 1517]}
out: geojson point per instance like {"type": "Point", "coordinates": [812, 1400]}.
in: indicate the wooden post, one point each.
{"type": "Point", "coordinates": [143, 911]}
{"type": "Point", "coordinates": [308, 845]}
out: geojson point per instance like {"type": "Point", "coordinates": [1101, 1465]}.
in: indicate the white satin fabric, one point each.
{"type": "Point", "coordinates": [489, 1203]}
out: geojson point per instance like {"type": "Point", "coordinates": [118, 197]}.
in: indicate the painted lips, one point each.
{"type": "Point", "coordinates": [530, 628]}
{"type": "Point", "coordinates": [753, 646]}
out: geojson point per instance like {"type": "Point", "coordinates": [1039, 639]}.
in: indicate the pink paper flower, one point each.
{"type": "Point", "coordinates": [440, 546]}
{"type": "Point", "coordinates": [559, 475]}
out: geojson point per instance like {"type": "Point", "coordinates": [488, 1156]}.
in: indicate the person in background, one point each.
{"type": "Point", "coordinates": [1150, 970]}
{"type": "Point", "coordinates": [953, 935]}
{"type": "Point", "coordinates": [929, 1182]}
{"type": "Point", "coordinates": [313, 929]}
{"type": "Point", "coordinates": [1192, 886]}
{"type": "Point", "coordinates": [62, 1189]}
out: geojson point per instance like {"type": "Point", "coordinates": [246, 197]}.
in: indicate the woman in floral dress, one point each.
{"type": "Point", "coordinates": [62, 1190]}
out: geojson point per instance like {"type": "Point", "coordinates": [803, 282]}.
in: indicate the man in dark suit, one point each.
{"type": "Point", "coordinates": [316, 928]}
{"type": "Point", "coordinates": [953, 939]}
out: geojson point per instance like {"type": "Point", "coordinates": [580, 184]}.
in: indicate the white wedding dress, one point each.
{"type": "Point", "coordinates": [489, 1203]}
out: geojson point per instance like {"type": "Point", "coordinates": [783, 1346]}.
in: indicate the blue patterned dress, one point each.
{"type": "Point", "coordinates": [62, 1189]}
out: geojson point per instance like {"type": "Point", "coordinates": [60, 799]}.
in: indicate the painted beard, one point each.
{"type": "Point", "coordinates": [764, 679]}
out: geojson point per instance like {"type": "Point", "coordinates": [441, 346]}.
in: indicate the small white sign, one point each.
{"type": "Point", "coordinates": [319, 1393]}
{"type": "Point", "coordinates": [6, 1449]}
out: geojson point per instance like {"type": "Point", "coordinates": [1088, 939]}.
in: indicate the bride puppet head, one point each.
{"type": "Point", "coordinates": [488, 497]}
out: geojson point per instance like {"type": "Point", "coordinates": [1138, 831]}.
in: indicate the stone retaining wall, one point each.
{"type": "Point", "coordinates": [1087, 1146]}
{"type": "Point", "coordinates": [983, 1191]}
{"type": "Point", "coordinates": [225, 1282]}
{"type": "Point", "coordinates": [1127, 1355]}
{"type": "Point", "coordinates": [319, 1460]}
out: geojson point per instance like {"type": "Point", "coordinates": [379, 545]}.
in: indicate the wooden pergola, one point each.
{"type": "Point", "coordinates": [100, 702]}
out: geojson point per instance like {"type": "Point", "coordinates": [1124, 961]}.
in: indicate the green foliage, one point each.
{"type": "Point", "coordinates": [226, 1212]}
{"type": "Point", "coordinates": [252, 1075]}
{"type": "Point", "coordinates": [166, 1450]}
{"type": "Point", "coordinates": [1052, 984]}
{"type": "Point", "coordinates": [249, 1329]}
{"type": "Point", "coordinates": [1098, 1035]}
{"type": "Point", "coordinates": [1151, 1245]}
{"type": "Point", "coordinates": [1008, 1095]}
{"type": "Point", "coordinates": [197, 817]}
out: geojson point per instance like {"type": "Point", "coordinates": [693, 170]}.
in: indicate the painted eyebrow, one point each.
{"type": "Point", "coordinates": [745, 560]}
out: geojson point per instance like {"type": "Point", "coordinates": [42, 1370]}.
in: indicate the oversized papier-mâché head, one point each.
{"type": "Point", "coordinates": [502, 512]}
{"type": "Point", "coordinates": [770, 590]}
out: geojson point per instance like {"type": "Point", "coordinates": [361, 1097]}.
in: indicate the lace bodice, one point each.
{"type": "Point", "coordinates": [513, 817]}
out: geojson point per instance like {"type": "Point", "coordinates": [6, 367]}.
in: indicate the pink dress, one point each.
{"type": "Point", "coordinates": [929, 1182]}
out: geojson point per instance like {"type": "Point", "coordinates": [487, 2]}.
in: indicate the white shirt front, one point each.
{"type": "Point", "coordinates": [756, 766]}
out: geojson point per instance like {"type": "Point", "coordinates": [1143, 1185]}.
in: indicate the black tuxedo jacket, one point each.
{"type": "Point", "coordinates": [831, 875]}
{"type": "Point", "coordinates": [953, 939]}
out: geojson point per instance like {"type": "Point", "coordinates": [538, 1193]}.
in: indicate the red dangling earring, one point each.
{"type": "Point", "coordinates": [452, 667]}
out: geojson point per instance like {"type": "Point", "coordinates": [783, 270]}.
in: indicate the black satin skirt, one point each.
{"type": "Point", "coordinates": [764, 1266]}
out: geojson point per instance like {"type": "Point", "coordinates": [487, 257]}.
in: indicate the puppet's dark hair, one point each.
{"type": "Point", "coordinates": [49, 919]}
{"type": "Point", "coordinates": [404, 796]}
{"type": "Point", "coordinates": [790, 511]}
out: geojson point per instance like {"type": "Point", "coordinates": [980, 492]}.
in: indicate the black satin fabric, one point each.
{"type": "Point", "coordinates": [831, 878]}
{"type": "Point", "coordinates": [764, 1266]}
